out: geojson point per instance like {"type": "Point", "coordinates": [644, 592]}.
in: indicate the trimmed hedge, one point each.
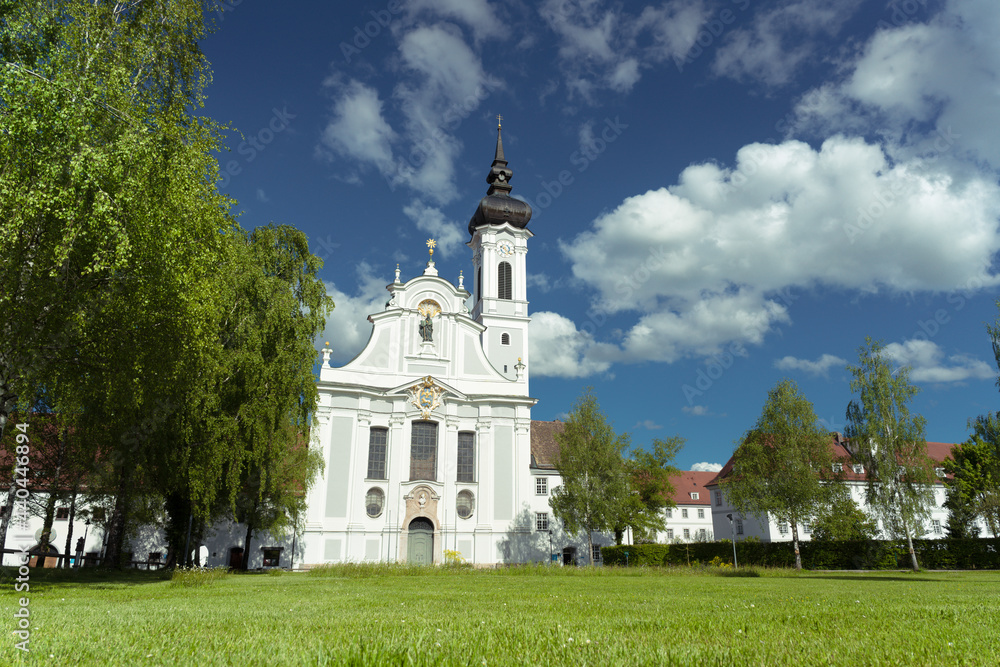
{"type": "Point", "coordinates": [946, 554]}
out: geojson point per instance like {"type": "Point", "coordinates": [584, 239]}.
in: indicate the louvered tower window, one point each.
{"type": "Point", "coordinates": [503, 281]}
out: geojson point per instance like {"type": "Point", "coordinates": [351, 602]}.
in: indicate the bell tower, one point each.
{"type": "Point", "coordinates": [500, 245]}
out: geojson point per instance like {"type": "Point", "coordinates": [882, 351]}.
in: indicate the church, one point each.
{"type": "Point", "coordinates": [426, 434]}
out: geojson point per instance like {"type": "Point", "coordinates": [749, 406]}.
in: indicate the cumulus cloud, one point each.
{"type": "Point", "coordinates": [358, 129]}
{"type": "Point", "coordinates": [559, 349]}
{"type": "Point", "coordinates": [940, 73]}
{"type": "Point", "coordinates": [443, 82]}
{"type": "Point", "coordinates": [929, 363]}
{"type": "Point", "coordinates": [449, 235]}
{"type": "Point", "coordinates": [718, 257]}
{"type": "Point", "coordinates": [819, 367]}
{"type": "Point", "coordinates": [707, 467]}
{"type": "Point", "coordinates": [347, 327]}
{"type": "Point", "coordinates": [605, 47]}
{"type": "Point", "coordinates": [772, 48]}
{"type": "Point", "coordinates": [476, 14]}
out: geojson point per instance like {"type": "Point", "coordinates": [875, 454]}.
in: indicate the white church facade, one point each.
{"type": "Point", "coordinates": [426, 434]}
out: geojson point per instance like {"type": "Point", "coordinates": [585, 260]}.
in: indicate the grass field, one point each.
{"type": "Point", "coordinates": [602, 616]}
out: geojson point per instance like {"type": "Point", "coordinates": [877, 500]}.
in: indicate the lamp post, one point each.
{"type": "Point", "coordinates": [733, 531]}
{"type": "Point", "coordinates": [86, 529]}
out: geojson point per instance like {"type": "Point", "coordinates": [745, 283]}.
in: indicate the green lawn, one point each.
{"type": "Point", "coordinates": [519, 616]}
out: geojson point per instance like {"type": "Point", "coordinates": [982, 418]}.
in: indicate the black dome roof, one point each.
{"type": "Point", "coordinates": [498, 207]}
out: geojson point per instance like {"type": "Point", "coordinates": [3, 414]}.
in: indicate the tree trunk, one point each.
{"type": "Point", "coordinates": [590, 547]}
{"type": "Point", "coordinates": [116, 527]}
{"type": "Point", "coordinates": [795, 545]}
{"type": "Point", "coordinates": [246, 547]}
{"type": "Point", "coordinates": [69, 529]}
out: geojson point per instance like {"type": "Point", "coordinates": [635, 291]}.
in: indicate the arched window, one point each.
{"type": "Point", "coordinates": [466, 457]}
{"type": "Point", "coordinates": [423, 451]}
{"type": "Point", "coordinates": [465, 503]}
{"type": "Point", "coordinates": [374, 501]}
{"type": "Point", "coordinates": [505, 339]}
{"type": "Point", "coordinates": [503, 281]}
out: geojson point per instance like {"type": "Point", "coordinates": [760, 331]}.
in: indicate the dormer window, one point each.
{"type": "Point", "coordinates": [939, 472]}
{"type": "Point", "coordinates": [858, 469]}
{"type": "Point", "coordinates": [694, 496]}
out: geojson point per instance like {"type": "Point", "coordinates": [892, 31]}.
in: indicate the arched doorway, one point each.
{"type": "Point", "coordinates": [420, 542]}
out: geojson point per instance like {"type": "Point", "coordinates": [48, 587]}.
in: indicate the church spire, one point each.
{"type": "Point", "coordinates": [498, 207]}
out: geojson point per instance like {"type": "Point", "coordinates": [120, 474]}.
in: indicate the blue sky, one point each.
{"type": "Point", "coordinates": [725, 192]}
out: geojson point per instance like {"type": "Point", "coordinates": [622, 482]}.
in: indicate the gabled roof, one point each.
{"type": "Point", "coordinates": [543, 443]}
{"type": "Point", "coordinates": [937, 451]}
{"type": "Point", "coordinates": [692, 481]}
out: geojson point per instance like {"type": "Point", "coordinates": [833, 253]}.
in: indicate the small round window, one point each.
{"type": "Point", "coordinates": [465, 504]}
{"type": "Point", "coordinates": [374, 502]}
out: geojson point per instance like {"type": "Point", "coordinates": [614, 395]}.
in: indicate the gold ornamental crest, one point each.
{"type": "Point", "coordinates": [426, 396]}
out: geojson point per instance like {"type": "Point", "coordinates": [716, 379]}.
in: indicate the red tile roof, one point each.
{"type": "Point", "coordinates": [692, 481]}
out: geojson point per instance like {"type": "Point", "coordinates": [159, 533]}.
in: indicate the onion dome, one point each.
{"type": "Point", "coordinates": [498, 207]}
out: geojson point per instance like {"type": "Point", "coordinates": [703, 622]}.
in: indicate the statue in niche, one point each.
{"type": "Point", "coordinates": [427, 329]}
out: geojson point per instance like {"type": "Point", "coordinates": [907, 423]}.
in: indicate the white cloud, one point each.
{"type": "Point", "coordinates": [929, 364]}
{"type": "Point", "coordinates": [819, 367]}
{"type": "Point", "coordinates": [648, 424]}
{"type": "Point", "coordinates": [772, 48]}
{"type": "Point", "coordinates": [605, 47]}
{"type": "Point", "coordinates": [476, 14]}
{"type": "Point", "coordinates": [357, 129]}
{"type": "Point", "coordinates": [559, 349]}
{"type": "Point", "coordinates": [707, 467]}
{"type": "Point", "coordinates": [449, 235]}
{"type": "Point", "coordinates": [696, 410]}
{"type": "Point", "coordinates": [347, 327]}
{"type": "Point", "coordinates": [717, 258]}
{"type": "Point", "coordinates": [940, 73]}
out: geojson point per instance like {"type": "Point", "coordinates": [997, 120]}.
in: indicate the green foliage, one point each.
{"type": "Point", "coordinates": [842, 519]}
{"type": "Point", "coordinates": [782, 466]}
{"type": "Point", "coordinates": [974, 491]}
{"type": "Point", "coordinates": [594, 486]}
{"type": "Point", "coordinates": [889, 442]}
{"type": "Point", "coordinates": [650, 488]}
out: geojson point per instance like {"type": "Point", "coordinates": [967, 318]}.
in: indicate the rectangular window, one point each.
{"type": "Point", "coordinates": [62, 513]}
{"type": "Point", "coordinates": [377, 439]}
{"type": "Point", "coordinates": [936, 525]}
{"type": "Point", "coordinates": [503, 281]}
{"type": "Point", "coordinates": [806, 528]}
{"type": "Point", "coordinates": [684, 514]}
{"type": "Point", "coordinates": [597, 552]}
{"type": "Point", "coordinates": [701, 514]}
{"type": "Point", "coordinates": [687, 533]}
{"type": "Point", "coordinates": [694, 496]}
{"type": "Point", "coordinates": [718, 498]}
{"type": "Point", "coordinates": [702, 534]}
{"type": "Point", "coordinates": [670, 533]}
{"type": "Point", "coordinates": [541, 486]}
{"type": "Point", "coordinates": [670, 513]}
{"type": "Point", "coordinates": [858, 469]}
{"type": "Point", "coordinates": [466, 457]}
{"type": "Point", "coordinates": [423, 451]}
{"type": "Point", "coordinates": [541, 521]}
{"type": "Point", "coordinates": [271, 556]}
{"type": "Point", "coordinates": [739, 526]}
{"type": "Point", "coordinates": [838, 467]}
{"type": "Point", "coordinates": [783, 527]}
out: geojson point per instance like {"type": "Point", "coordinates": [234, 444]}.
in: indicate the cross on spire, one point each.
{"type": "Point", "coordinates": [499, 118]}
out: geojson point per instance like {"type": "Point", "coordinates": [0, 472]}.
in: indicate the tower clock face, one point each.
{"type": "Point", "coordinates": [505, 248]}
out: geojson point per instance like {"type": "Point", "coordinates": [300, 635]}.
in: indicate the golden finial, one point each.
{"type": "Point", "coordinates": [499, 118]}
{"type": "Point", "coordinates": [431, 244]}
